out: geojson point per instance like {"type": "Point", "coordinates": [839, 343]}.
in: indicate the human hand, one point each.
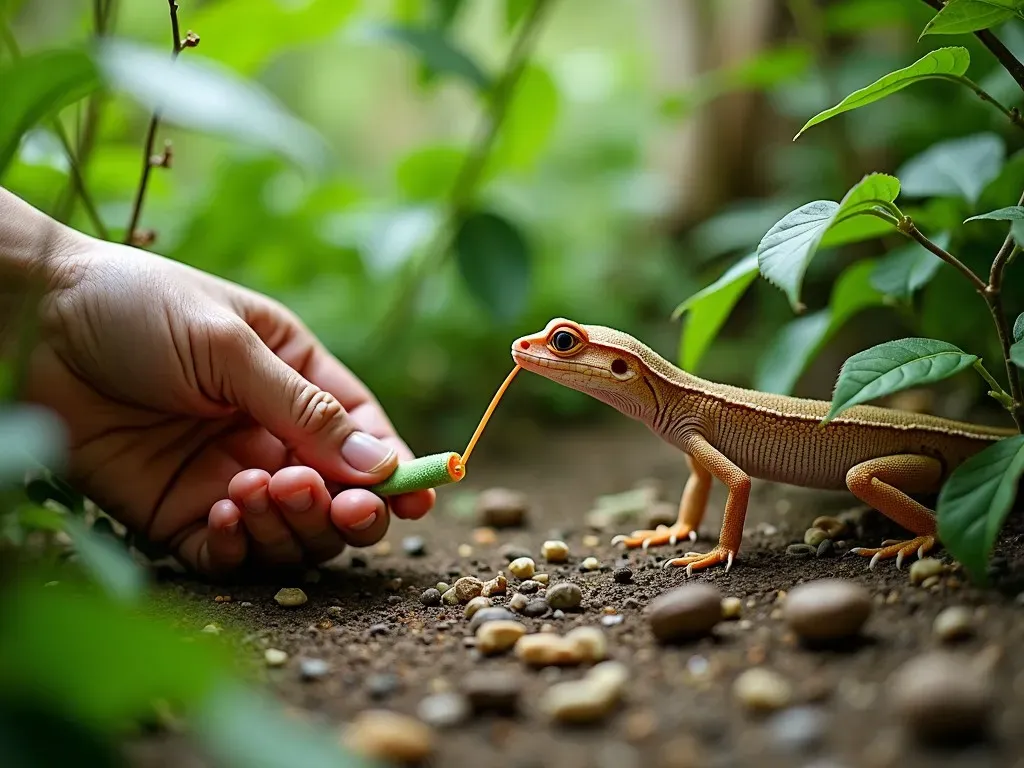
{"type": "Point", "coordinates": [206, 417]}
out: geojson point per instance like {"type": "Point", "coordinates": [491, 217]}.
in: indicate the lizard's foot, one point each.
{"type": "Point", "coordinates": [898, 549]}
{"type": "Point", "coordinates": [697, 560]}
{"type": "Point", "coordinates": [656, 538]}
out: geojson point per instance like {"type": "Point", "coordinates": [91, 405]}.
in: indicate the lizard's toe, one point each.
{"type": "Point", "coordinates": [660, 536]}
{"type": "Point", "coordinates": [695, 561]}
{"type": "Point", "coordinates": [900, 550]}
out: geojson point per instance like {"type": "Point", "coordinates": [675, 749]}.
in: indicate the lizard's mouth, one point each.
{"type": "Point", "coordinates": [535, 362]}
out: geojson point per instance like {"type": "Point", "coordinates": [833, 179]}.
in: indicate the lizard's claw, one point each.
{"type": "Point", "coordinates": [696, 560]}
{"type": "Point", "coordinates": [898, 549]}
{"type": "Point", "coordinates": [656, 538]}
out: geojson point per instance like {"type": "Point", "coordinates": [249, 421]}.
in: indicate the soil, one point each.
{"type": "Point", "coordinates": [679, 709]}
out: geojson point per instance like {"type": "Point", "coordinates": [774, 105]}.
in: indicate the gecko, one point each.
{"type": "Point", "coordinates": [881, 455]}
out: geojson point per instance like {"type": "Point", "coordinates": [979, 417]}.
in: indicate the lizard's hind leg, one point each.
{"type": "Point", "coordinates": [691, 511]}
{"type": "Point", "coordinates": [884, 484]}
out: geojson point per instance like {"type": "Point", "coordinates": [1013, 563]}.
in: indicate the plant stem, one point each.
{"type": "Point", "coordinates": [997, 390]}
{"type": "Point", "coordinates": [994, 297]}
{"type": "Point", "coordinates": [907, 227]}
{"type": "Point", "coordinates": [1010, 62]}
{"type": "Point", "coordinates": [1013, 115]}
{"type": "Point", "coordinates": [466, 180]}
{"type": "Point", "coordinates": [154, 122]}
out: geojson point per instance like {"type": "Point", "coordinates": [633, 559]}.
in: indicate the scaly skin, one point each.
{"type": "Point", "coordinates": [879, 454]}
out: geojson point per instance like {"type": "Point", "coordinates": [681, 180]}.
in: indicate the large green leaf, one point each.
{"type": "Point", "coordinates": [530, 120]}
{"type": "Point", "coordinates": [200, 94]}
{"type": "Point", "coordinates": [708, 309]}
{"type": "Point", "coordinates": [855, 229]}
{"type": "Point", "coordinates": [905, 271]}
{"type": "Point", "coordinates": [1013, 214]}
{"type": "Point", "coordinates": [438, 53]}
{"type": "Point", "coordinates": [30, 438]}
{"type": "Point", "coordinates": [107, 562]}
{"type": "Point", "coordinates": [975, 500]}
{"type": "Point", "coordinates": [1017, 354]}
{"type": "Point", "coordinates": [1018, 328]}
{"type": "Point", "coordinates": [940, 63]}
{"type": "Point", "coordinates": [893, 367]}
{"type": "Point", "coordinates": [955, 168]}
{"type": "Point", "coordinates": [428, 173]}
{"type": "Point", "coordinates": [37, 86]}
{"type": "Point", "coordinates": [493, 257]}
{"type": "Point", "coordinates": [959, 17]}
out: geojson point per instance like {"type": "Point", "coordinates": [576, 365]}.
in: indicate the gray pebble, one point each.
{"type": "Point", "coordinates": [622, 575]}
{"type": "Point", "coordinates": [564, 596]}
{"type": "Point", "coordinates": [245, 604]}
{"type": "Point", "coordinates": [685, 612]}
{"type": "Point", "coordinates": [827, 609]}
{"type": "Point", "coordinates": [535, 609]}
{"type": "Point", "coordinates": [313, 669]}
{"type": "Point", "coordinates": [954, 623]}
{"type": "Point", "coordinates": [942, 699]}
{"type": "Point", "coordinates": [394, 599]}
{"type": "Point", "coordinates": [430, 597]}
{"type": "Point", "coordinates": [826, 548]}
{"type": "Point", "coordinates": [518, 602]}
{"type": "Point", "coordinates": [414, 546]}
{"type": "Point", "coordinates": [800, 551]}
{"type": "Point", "coordinates": [444, 710]}
{"type": "Point", "coordinates": [529, 586]}
{"type": "Point", "coordinates": [493, 691]}
{"type": "Point", "coordinates": [381, 686]}
{"type": "Point", "coordinates": [559, 614]}
{"type": "Point", "coordinates": [612, 620]}
{"type": "Point", "coordinates": [335, 611]}
{"type": "Point", "coordinates": [490, 614]}
{"type": "Point", "coordinates": [798, 729]}
{"type": "Point", "coordinates": [379, 629]}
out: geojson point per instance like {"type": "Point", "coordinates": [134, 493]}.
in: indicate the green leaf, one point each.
{"type": "Point", "coordinates": [768, 68]}
{"type": "Point", "coordinates": [975, 500]}
{"type": "Point", "coordinates": [709, 308]}
{"type": "Point", "coordinates": [435, 51]}
{"type": "Point", "coordinates": [1013, 214]}
{"type": "Point", "coordinates": [940, 63]}
{"type": "Point", "coordinates": [30, 437]}
{"type": "Point", "coordinates": [428, 173]}
{"type": "Point", "coordinates": [960, 17]}
{"type": "Point", "coordinates": [530, 120]}
{"type": "Point", "coordinates": [1017, 354]}
{"type": "Point", "coordinates": [39, 518]}
{"type": "Point", "coordinates": [905, 271]}
{"type": "Point", "coordinates": [788, 247]}
{"type": "Point", "coordinates": [855, 229]}
{"type": "Point", "coordinates": [955, 168]}
{"type": "Point", "coordinates": [37, 86]}
{"type": "Point", "coordinates": [515, 11]}
{"type": "Point", "coordinates": [494, 260]}
{"type": "Point", "coordinates": [1018, 328]}
{"type": "Point", "coordinates": [893, 367]}
{"type": "Point", "coordinates": [863, 15]}
{"type": "Point", "coordinates": [107, 562]}
{"type": "Point", "coordinates": [199, 94]}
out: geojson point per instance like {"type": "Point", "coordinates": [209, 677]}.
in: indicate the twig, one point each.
{"type": "Point", "coordinates": [1012, 114]}
{"type": "Point", "coordinates": [907, 227]}
{"type": "Point", "coordinates": [994, 297]}
{"type": "Point", "coordinates": [1010, 62]}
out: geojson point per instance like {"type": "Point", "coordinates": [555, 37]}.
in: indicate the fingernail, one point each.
{"type": "Point", "coordinates": [362, 525]}
{"type": "Point", "coordinates": [299, 501]}
{"type": "Point", "coordinates": [231, 528]}
{"type": "Point", "coordinates": [258, 501]}
{"type": "Point", "coordinates": [365, 452]}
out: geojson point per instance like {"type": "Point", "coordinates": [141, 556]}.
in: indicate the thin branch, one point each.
{"type": "Point", "coordinates": [1010, 62]}
{"type": "Point", "coordinates": [907, 227]}
{"type": "Point", "coordinates": [994, 297]}
{"type": "Point", "coordinates": [1012, 114]}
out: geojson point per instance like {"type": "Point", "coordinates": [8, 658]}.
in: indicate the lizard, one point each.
{"type": "Point", "coordinates": [881, 455]}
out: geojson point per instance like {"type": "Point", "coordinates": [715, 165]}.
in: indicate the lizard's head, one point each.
{"type": "Point", "coordinates": [598, 361]}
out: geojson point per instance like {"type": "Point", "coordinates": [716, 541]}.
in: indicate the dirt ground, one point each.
{"type": "Point", "coordinates": [679, 709]}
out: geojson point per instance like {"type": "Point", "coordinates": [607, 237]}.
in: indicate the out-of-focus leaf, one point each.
{"type": "Point", "coordinates": [1013, 214]}
{"type": "Point", "coordinates": [737, 226]}
{"type": "Point", "coordinates": [36, 86]}
{"type": "Point", "coordinates": [959, 17]}
{"type": "Point", "coordinates": [956, 168]}
{"type": "Point", "coordinates": [494, 260]}
{"type": "Point", "coordinates": [863, 15]}
{"type": "Point", "coordinates": [530, 120]}
{"type": "Point", "coordinates": [40, 518]}
{"type": "Point", "coordinates": [202, 95]}
{"type": "Point", "coordinates": [428, 173]}
{"type": "Point", "coordinates": [435, 51]}
{"type": "Point", "coordinates": [35, 735]}
{"type": "Point", "coordinates": [975, 500]}
{"type": "Point", "coordinates": [707, 310]}
{"type": "Point", "coordinates": [769, 68]}
{"type": "Point", "coordinates": [445, 12]}
{"type": "Point", "coordinates": [1018, 328]}
{"type": "Point", "coordinates": [903, 272]}
{"type": "Point", "coordinates": [1017, 354]}
{"type": "Point", "coordinates": [30, 437]}
{"type": "Point", "coordinates": [942, 63]}
{"type": "Point", "coordinates": [107, 563]}
{"type": "Point", "coordinates": [246, 34]}
{"type": "Point", "coordinates": [515, 10]}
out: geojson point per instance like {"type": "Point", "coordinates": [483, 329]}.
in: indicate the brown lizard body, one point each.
{"type": "Point", "coordinates": [879, 454]}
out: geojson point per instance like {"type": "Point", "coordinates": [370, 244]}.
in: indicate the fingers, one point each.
{"type": "Point", "coordinates": [361, 517]}
{"type": "Point", "coordinates": [413, 506]}
{"type": "Point", "coordinates": [272, 540]}
{"type": "Point", "coordinates": [305, 505]}
{"type": "Point", "coordinates": [226, 542]}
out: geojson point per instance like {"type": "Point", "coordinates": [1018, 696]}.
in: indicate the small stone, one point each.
{"type": "Point", "coordinates": [444, 710]}
{"type": "Point", "coordinates": [564, 596]}
{"type": "Point", "coordinates": [622, 575]}
{"type": "Point", "coordinates": [485, 615]}
{"type": "Point", "coordinates": [954, 623]}
{"type": "Point", "coordinates": [493, 691]}
{"type": "Point", "coordinates": [496, 637]}
{"type": "Point", "coordinates": [579, 701]}
{"type": "Point", "coordinates": [442, 586]}
{"type": "Point", "coordinates": [522, 567]}
{"type": "Point", "coordinates": [541, 578]}
{"type": "Point", "coordinates": [465, 550]}
{"type": "Point", "coordinates": [513, 552]}
{"type": "Point", "coordinates": [485, 536]}
{"type": "Point", "coordinates": [546, 649]}
{"type": "Point", "coordinates": [381, 686]}
{"type": "Point", "coordinates": [337, 612]}
{"type": "Point", "coordinates": [814, 536]}
{"type": "Point", "coordinates": [313, 669]}
{"type": "Point", "coordinates": [467, 588]}
{"type": "Point", "coordinates": [378, 629]}
{"type": "Point", "coordinates": [430, 597]}
{"type": "Point", "coordinates": [591, 643]}
{"type": "Point", "coordinates": [611, 621]}
{"type": "Point", "coordinates": [798, 729]}
{"type": "Point", "coordinates": [685, 612]}
{"type": "Point", "coordinates": [414, 546]}
{"type": "Point", "coordinates": [555, 551]}
{"type": "Point", "coordinates": [931, 582]}
{"type": "Point", "coordinates": [732, 607]}
{"type": "Point", "coordinates": [518, 602]}
{"type": "Point", "coordinates": [590, 564]}
{"type": "Point", "coordinates": [827, 609]}
{"type": "Point", "coordinates": [536, 609]}
{"type": "Point", "coordinates": [450, 597]}
{"type": "Point", "coordinates": [245, 604]}
{"type": "Point", "coordinates": [212, 629]}
{"type": "Point", "coordinates": [800, 551]}
{"type": "Point", "coordinates": [383, 549]}
{"type": "Point", "coordinates": [290, 597]}
{"type": "Point", "coordinates": [222, 599]}
{"type": "Point", "coordinates": [825, 549]}
{"type": "Point", "coordinates": [923, 569]}
{"type": "Point", "coordinates": [529, 587]}
{"type": "Point", "coordinates": [558, 614]}
{"type": "Point", "coordinates": [475, 605]}
{"type": "Point", "coordinates": [394, 599]}
{"type": "Point", "coordinates": [591, 541]}
{"type": "Point", "coordinates": [274, 657]}
{"type": "Point", "coordinates": [501, 508]}
{"type": "Point", "coordinates": [389, 737]}
{"type": "Point", "coordinates": [761, 689]}
{"type": "Point", "coordinates": [496, 586]}
{"type": "Point", "coordinates": [942, 698]}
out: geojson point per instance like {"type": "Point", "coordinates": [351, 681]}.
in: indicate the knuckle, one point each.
{"type": "Point", "coordinates": [229, 334]}
{"type": "Point", "coordinates": [316, 410]}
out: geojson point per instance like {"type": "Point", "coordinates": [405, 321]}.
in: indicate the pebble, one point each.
{"type": "Point", "coordinates": [547, 649]}
{"type": "Point", "coordinates": [924, 569]}
{"type": "Point", "coordinates": [954, 623]}
{"type": "Point", "coordinates": [685, 612]}
{"type": "Point", "coordinates": [827, 609]}
{"type": "Point", "coordinates": [274, 657]}
{"type": "Point", "coordinates": [442, 586]}
{"type": "Point", "coordinates": [611, 621]}
{"type": "Point", "coordinates": [825, 549]}
{"type": "Point", "coordinates": [513, 552]}
{"type": "Point", "coordinates": [467, 588]}
{"type": "Point", "coordinates": [554, 551]}
{"type": "Point", "coordinates": [522, 567]}
{"type": "Point", "coordinates": [475, 605]}
{"type": "Point", "coordinates": [211, 629]}
{"type": "Point", "coordinates": [590, 540]}
{"type": "Point", "coordinates": [381, 686]}
{"type": "Point", "coordinates": [564, 596]}
{"type": "Point", "coordinates": [501, 508]}
{"type": "Point", "coordinates": [496, 586]}
{"type": "Point", "coordinates": [798, 729]}
{"type": "Point", "coordinates": [496, 637]}
{"type": "Point", "coordinates": [379, 629]}
{"type": "Point", "coordinates": [313, 669]}
{"type": "Point", "coordinates": [450, 597]}
{"type": "Point", "coordinates": [814, 536]}
{"type": "Point", "coordinates": [485, 615]}
{"type": "Point", "coordinates": [732, 607]}
{"type": "Point", "coordinates": [800, 551]}
{"type": "Point", "coordinates": [590, 564]}
{"type": "Point", "coordinates": [558, 614]}
{"type": "Point", "coordinates": [587, 700]}
{"type": "Point", "coordinates": [383, 549]}
{"type": "Point", "coordinates": [414, 546]}
{"type": "Point", "coordinates": [444, 710]}
{"type": "Point", "coordinates": [591, 642]}
{"type": "Point", "coordinates": [245, 604]}
{"type": "Point", "coordinates": [941, 698]}
{"type": "Point", "coordinates": [387, 736]}
{"type": "Point", "coordinates": [761, 689]}
{"type": "Point", "coordinates": [541, 578]}
{"type": "Point", "coordinates": [222, 599]}
{"type": "Point", "coordinates": [833, 526]}
{"type": "Point", "coordinates": [493, 691]}
{"type": "Point", "coordinates": [465, 550]}
{"type": "Point", "coordinates": [529, 586]}
{"type": "Point", "coordinates": [290, 597]}
{"type": "Point", "coordinates": [622, 575]}
{"type": "Point", "coordinates": [536, 609]}
{"type": "Point", "coordinates": [518, 602]}
{"type": "Point", "coordinates": [337, 612]}
{"type": "Point", "coordinates": [430, 597]}
{"type": "Point", "coordinates": [485, 536]}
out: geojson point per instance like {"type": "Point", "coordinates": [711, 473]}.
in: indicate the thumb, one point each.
{"type": "Point", "coordinates": [309, 420]}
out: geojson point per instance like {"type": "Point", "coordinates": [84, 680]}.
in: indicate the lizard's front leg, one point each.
{"type": "Point", "coordinates": [884, 484]}
{"type": "Point", "coordinates": [737, 481]}
{"type": "Point", "coordinates": [691, 511]}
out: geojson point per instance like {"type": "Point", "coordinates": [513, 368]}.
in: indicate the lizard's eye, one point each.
{"type": "Point", "coordinates": [564, 341]}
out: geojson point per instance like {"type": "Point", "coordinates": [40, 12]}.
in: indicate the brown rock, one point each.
{"type": "Point", "coordinates": [684, 613]}
{"type": "Point", "coordinates": [502, 508]}
{"type": "Point", "coordinates": [388, 736]}
{"type": "Point", "coordinates": [943, 697]}
{"type": "Point", "coordinates": [827, 609]}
